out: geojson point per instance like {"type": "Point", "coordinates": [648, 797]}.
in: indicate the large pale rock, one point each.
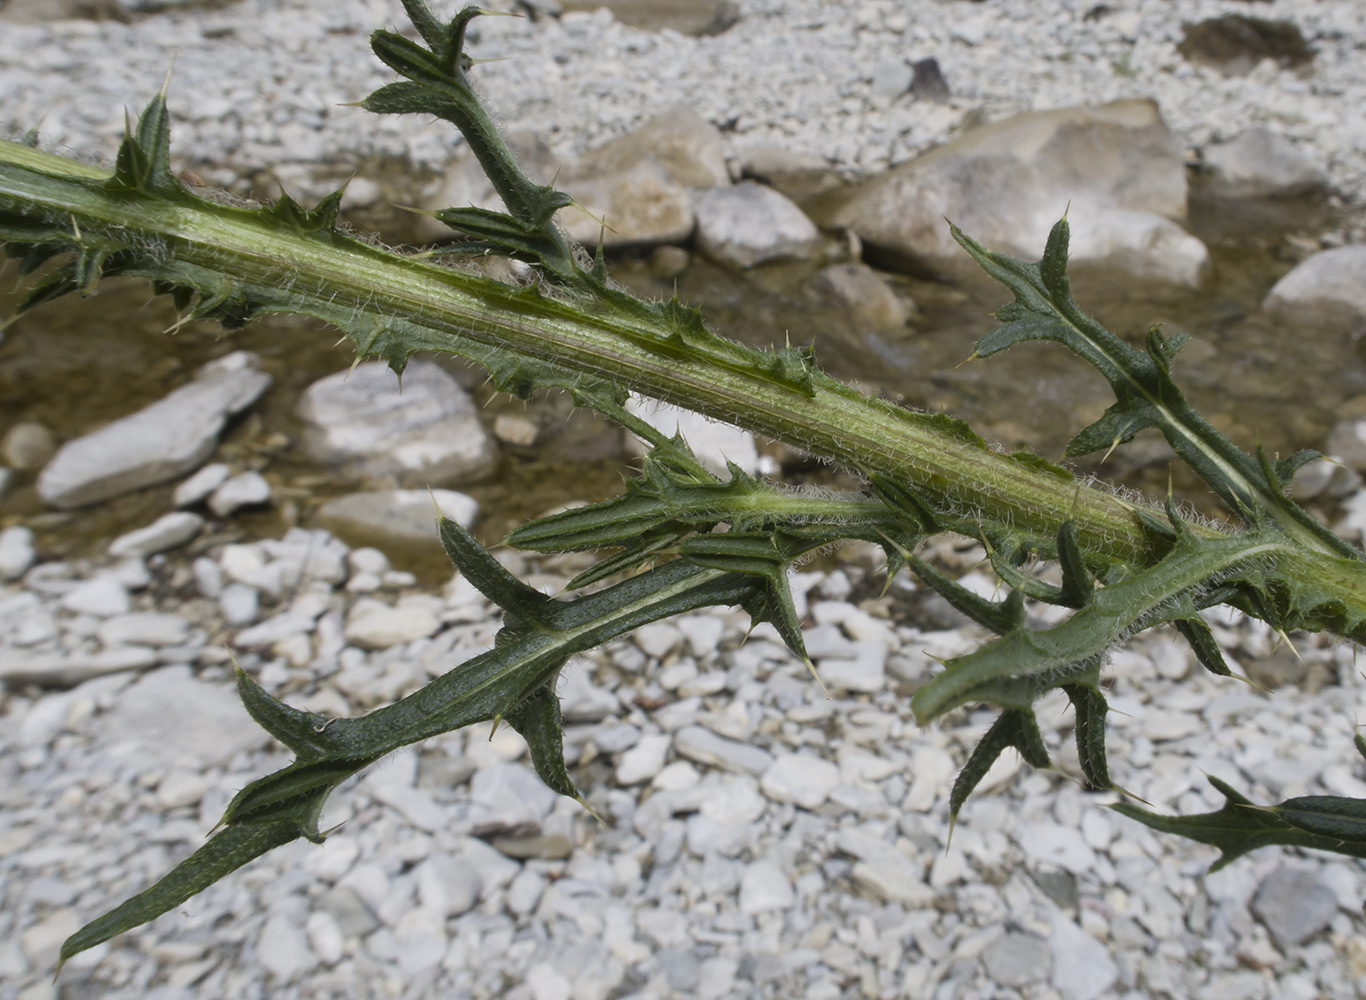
{"type": "Point", "coordinates": [1328, 288]}
{"type": "Point", "coordinates": [404, 516]}
{"type": "Point", "coordinates": [424, 432]}
{"type": "Point", "coordinates": [750, 224]}
{"type": "Point", "coordinates": [167, 439]}
{"type": "Point", "coordinates": [169, 714]}
{"type": "Point", "coordinates": [1142, 245]}
{"type": "Point", "coordinates": [637, 183]}
{"type": "Point", "coordinates": [1006, 183]}
{"type": "Point", "coordinates": [1258, 163]}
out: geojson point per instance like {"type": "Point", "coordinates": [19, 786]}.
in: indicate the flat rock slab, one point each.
{"type": "Point", "coordinates": [422, 432]}
{"type": "Point", "coordinates": [1006, 183]}
{"type": "Point", "coordinates": [170, 714]}
{"type": "Point", "coordinates": [171, 437]}
{"type": "Point", "coordinates": [749, 224]}
{"type": "Point", "coordinates": [1328, 287]}
{"type": "Point", "coordinates": [405, 516]}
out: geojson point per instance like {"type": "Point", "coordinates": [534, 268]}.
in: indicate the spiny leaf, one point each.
{"type": "Point", "coordinates": [1077, 585]}
{"type": "Point", "coordinates": [1017, 668]}
{"type": "Point", "coordinates": [1239, 827]}
{"type": "Point", "coordinates": [1333, 816]}
{"type": "Point", "coordinates": [537, 718]}
{"type": "Point", "coordinates": [1207, 652]}
{"type": "Point", "coordinates": [490, 578]}
{"type": "Point", "coordinates": [1145, 395]}
{"type": "Point", "coordinates": [143, 163]}
{"type": "Point", "coordinates": [224, 853]}
{"type": "Point", "coordinates": [1013, 728]}
{"type": "Point", "coordinates": [1091, 710]}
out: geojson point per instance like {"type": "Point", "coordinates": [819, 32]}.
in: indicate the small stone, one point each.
{"type": "Point", "coordinates": [1294, 905]}
{"type": "Point", "coordinates": [801, 779]}
{"type": "Point", "coordinates": [517, 430]}
{"type": "Point", "coordinates": [869, 305]}
{"type": "Point", "coordinates": [248, 489]}
{"type": "Point", "coordinates": [201, 484]}
{"type": "Point", "coordinates": [16, 552]}
{"type": "Point", "coordinates": [657, 639]}
{"type": "Point", "coordinates": [1258, 163]}
{"type": "Point", "coordinates": [381, 627]}
{"type": "Point", "coordinates": [102, 596]}
{"type": "Point", "coordinates": [1082, 966]}
{"type": "Point", "coordinates": [43, 941]}
{"type": "Point", "coordinates": [705, 747]}
{"type": "Point", "coordinates": [580, 699]}
{"type": "Point", "coordinates": [28, 446]}
{"type": "Point", "coordinates": [420, 939]}
{"type": "Point", "coordinates": [426, 433]}
{"type": "Point", "coordinates": [240, 603]}
{"type": "Point", "coordinates": [389, 516]}
{"type": "Point", "coordinates": [283, 948]}
{"type": "Point", "coordinates": [748, 224]}
{"type": "Point", "coordinates": [144, 628]}
{"type": "Point", "coordinates": [865, 672]}
{"type": "Point", "coordinates": [929, 83]}
{"type": "Point", "coordinates": [548, 983]}
{"type": "Point", "coordinates": [208, 577]}
{"type": "Point", "coordinates": [891, 78]}
{"type": "Point", "coordinates": [1017, 959]}
{"type": "Point", "coordinates": [525, 891]}
{"type": "Point", "coordinates": [509, 797]}
{"type": "Point", "coordinates": [680, 968]}
{"type": "Point", "coordinates": [166, 532]}
{"type": "Point", "coordinates": [644, 760]}
{"type": "Point", "coordinates": [325, 937]}
{"type": "Point", "coordinates": [448, 883]}
{"type": "Point", "coordinates": [181, 788]}
{"type": "Point", "coordinates": [1057, 844]}
{"type": "Point", "coordinates": [764, 887]}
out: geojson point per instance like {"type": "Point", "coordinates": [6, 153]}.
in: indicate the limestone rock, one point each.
{"type": "Point", "coordinates": [637, 183]}
{"type": "Point", "coordinates": [862, 295]}
{"type": "Point", "coordinates": [1294, 904]}
{"type": "Point", "coordinates": [27, 446]}
{"type": "Point", "coordinates": [424, 432]}
{"type": "Point", "coordinates": [1143, 245]}
{"type": "Point", "coordinates": [169, 714]}
{"type": "Point", "coordinates": [1006, 183]}
{"type": "Point", "coordinates": [750, 224]}
{"type": "Point", "coordinates": [167, 532]}
{"type": "Point", "coordinates": [640, 206]}
{"type": "Point", "coordinates": [249, 489]}
{"type": "Point", "coordinates": [1018, 959]}
{"type": "Point", "coordinates": [16, 552]}
{"type": "Point", "coordinates": [797, 175]}
{"type": "Point", "coordinates": [1258, 163]}
{"type": "Point", "coordinates": [405, 516]}
{"type": "Point", "coordinates": [162, 441]}
{"type": "Point", "coordinates": [1327, 288]}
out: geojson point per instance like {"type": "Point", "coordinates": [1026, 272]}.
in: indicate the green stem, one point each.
{"type": "Point", "coordinates": [400, 304]}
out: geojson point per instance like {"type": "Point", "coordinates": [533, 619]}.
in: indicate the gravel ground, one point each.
{"type": "Point", "coordinates": [260, 83]}
{"type": "Point", "coordinates": [760, 841]}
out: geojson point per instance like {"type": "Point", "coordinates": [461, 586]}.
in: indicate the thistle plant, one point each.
{"type": "Point", "coordinates": [679, 537]}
